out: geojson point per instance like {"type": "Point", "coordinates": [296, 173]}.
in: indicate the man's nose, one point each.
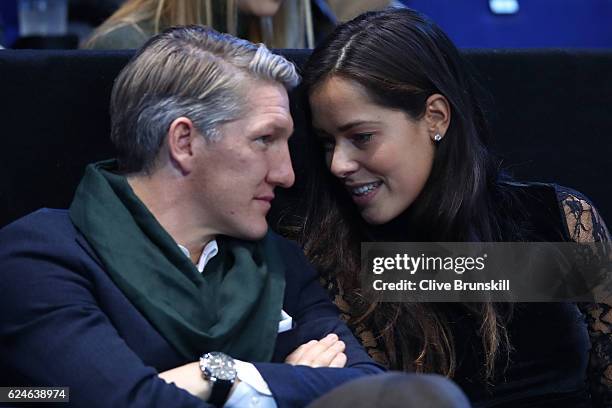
{"type": "Point", "coordinates": [341, 163]}
{"type": "Point", "coordinates": [281, 171]}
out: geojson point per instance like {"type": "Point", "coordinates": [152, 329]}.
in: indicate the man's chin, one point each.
{"type": "Point", "coordinates": [257, 237]}
{"type": "Point", "coordinates": [254, 234]}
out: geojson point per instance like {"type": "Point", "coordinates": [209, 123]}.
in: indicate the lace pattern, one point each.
{"type": "Point", "coordinates": [366, 337]}
{"type": "Point", "coordinates": [584, 224]}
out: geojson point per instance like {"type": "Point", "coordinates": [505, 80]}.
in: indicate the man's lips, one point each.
{"type": "Point", "coordinates": [267, 198]}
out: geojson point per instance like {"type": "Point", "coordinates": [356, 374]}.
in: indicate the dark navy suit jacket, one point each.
{"type": "Point", "coordinates": [63, 322]}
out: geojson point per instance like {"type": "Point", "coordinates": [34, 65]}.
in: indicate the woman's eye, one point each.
{"type": "Point", "coordinates": [361, 138]}
{"type": "Point", "coordinates": [328, 145]}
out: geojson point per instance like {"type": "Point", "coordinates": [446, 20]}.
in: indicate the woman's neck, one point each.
{"type": "Point", "coordinates": [401, 228]}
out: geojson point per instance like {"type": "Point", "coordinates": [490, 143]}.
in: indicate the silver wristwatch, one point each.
{"type": "Point", "coordinates": [220, 370]}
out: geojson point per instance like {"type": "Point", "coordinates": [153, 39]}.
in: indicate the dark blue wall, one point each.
{"type": "Point", "coordinates": [8, 22]}
{"type": "Point", "coordinates": [538, 23]}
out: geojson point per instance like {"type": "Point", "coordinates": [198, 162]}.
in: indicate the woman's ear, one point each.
{"type": "Point", "coordinates": [437, 115]}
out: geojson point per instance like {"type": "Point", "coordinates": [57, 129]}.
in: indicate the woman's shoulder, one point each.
{"type": "Point", "coordinates": [551, 206]}
{"type": "Point", "coordinates": [121, 36]}
{"type": "Point", "coordinates": [583, 221]}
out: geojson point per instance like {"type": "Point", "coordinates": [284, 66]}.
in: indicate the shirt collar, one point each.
{"type": "Point", "coordinates": [209, 251]}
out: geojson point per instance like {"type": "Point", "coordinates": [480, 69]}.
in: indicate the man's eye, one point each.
{"type": "Point", "coordinates": [361, 138]}
{"type": "Point", "coordinates": [264, 140]}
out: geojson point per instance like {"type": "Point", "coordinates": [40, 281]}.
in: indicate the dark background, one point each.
{"type": "Point", "coordinates": [550, 111]}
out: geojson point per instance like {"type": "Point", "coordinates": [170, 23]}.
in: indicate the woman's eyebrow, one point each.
{"type": "Point", "coordinates": [320, 132]}
{"type": "Point", "coordinates": [355, 123]}
{"type": "Point", "coordinates": [343, 128]}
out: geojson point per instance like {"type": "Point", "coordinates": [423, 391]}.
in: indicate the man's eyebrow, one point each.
{"type": "Point", "coordinates": [272, 127]}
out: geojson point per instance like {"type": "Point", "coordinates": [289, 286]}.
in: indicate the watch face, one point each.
{"type": "Point", "coordinates": [218, 366]}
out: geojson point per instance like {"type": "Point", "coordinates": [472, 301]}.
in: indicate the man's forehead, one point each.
{"type": "Point", "coordinates": [269, 122]}
{"type": "Point", "coordinates": [266, 93]}
{"type": "Point", "coordinates": [263, 114]}
{"type": "Point", "coordinates": [267, 105]}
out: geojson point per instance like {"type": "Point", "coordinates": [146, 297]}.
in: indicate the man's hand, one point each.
{"type": "Point", "coordinates": [327, 352]}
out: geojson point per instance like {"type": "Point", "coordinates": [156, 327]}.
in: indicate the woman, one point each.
{"type": "Point", "coordinates": [405, 141]}
{"type": "Point", "coordinates": [277, 23]}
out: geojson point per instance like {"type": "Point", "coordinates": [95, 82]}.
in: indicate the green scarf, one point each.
{"type": "Point", "coordinates": [234, 306]}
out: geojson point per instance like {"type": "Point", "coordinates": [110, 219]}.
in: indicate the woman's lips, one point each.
{"type": "Point", "coordinates": [363, 193]}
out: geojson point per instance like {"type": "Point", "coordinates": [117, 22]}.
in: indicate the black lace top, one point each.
{"type": "Point", "coordinates": [561, 352]}
{"type": "Point", "coordinates": [584, 224]}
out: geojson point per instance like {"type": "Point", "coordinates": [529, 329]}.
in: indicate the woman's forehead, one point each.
{"type": "Point", "coordinates": [338, 103]}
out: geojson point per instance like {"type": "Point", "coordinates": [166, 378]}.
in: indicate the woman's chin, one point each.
{"type": "Point", "coordinates": [374, 217]}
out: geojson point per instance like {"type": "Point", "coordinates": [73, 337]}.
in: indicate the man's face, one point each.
{"type": "Point", "coordinates": [235, 177]}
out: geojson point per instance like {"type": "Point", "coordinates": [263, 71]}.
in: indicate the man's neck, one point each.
{"type": "Point", "coordinates": [172, 213]}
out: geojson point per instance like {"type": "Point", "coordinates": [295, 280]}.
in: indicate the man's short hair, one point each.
{"type": "Point", "coordinates": [190, 71]}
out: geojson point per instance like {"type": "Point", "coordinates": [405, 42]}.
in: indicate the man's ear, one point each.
{"type": "Point", "coordinates": [437, 115]}
{"type": "Point", "coordinates": [181, 145]}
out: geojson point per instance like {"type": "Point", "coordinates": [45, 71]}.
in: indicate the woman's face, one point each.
{"type": "Point", "coordinates": [261, 8]}
{"type": "Point", "coordinates": [382, 156]}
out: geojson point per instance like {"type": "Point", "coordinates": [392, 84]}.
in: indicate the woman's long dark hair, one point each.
{"type": "Point", "coordinates": [401, 58]}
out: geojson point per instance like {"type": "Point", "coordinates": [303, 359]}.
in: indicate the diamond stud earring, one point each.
{"type": "Point", "coordinates": [437, 137]}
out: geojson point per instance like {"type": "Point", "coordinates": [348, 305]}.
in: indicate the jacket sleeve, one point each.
{"type": "Point", "coordinates": [315, 317]}
{"type": "Point", "coordinates": [53, 332]}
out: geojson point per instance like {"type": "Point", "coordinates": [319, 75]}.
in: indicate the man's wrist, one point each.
{"type": "Point", "coordinates": [203, 386]}
{"type": "Point", "coordinates": [188, 377]}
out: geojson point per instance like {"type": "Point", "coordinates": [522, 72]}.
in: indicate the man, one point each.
{"type": "Point", "coordinates": [165, 254]}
